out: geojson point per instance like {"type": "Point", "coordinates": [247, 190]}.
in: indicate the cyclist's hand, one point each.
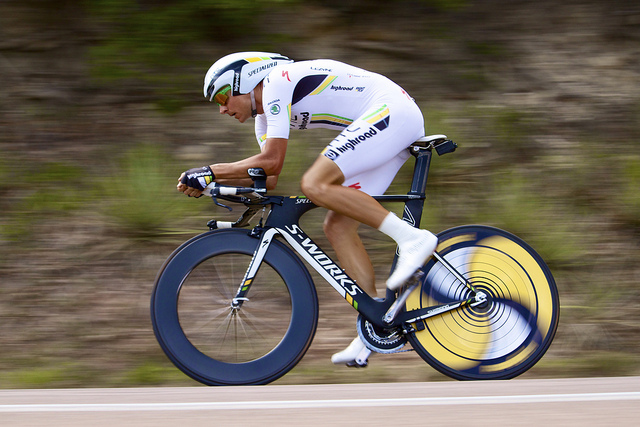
{"type": "Point", "coordinates": [193, 181]}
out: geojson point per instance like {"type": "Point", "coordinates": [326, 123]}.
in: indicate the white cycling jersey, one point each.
{"type": "Point", "coordinates": [378, 120]}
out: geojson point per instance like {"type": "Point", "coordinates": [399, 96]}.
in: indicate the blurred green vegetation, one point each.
{"type": "Point", "coordinates": [58, 189]}
{"type": "Point", "coordinates": [135, 194]}
{"type": "Point", "coordinates": [52, 189]}
{"type": "Point", "coordinates": [629, 192]}
{"type": "Point", "coordinates": [88, 167]}
{"type": "Point", "coordinates": [147, 42]}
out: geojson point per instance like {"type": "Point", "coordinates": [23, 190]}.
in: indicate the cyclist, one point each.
{"type": "Point", "coordinates": [376, 119]}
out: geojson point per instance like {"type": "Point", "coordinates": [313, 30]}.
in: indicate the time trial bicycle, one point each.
{"type": "Point", "coordinates": [234, 306]}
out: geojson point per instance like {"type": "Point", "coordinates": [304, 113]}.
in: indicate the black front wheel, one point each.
{"type": "Point", "coordinates": [506, 335]}
{"type": "Point", "coordinates": [217, 341]}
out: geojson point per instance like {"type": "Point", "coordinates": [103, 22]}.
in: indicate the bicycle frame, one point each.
{"type": "Point", "coordinates": [283, 220]}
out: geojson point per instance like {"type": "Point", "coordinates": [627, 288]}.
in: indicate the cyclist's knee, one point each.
{"type": "Point", "coordinates": [306, 184]}
{"type": "Point", "coordinates": [317, 181]}
{"type": "Point", "coordinates": [312, 188]}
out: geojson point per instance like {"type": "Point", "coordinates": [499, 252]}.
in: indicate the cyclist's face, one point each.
{"type": "Point", "coordinates": [238, 106]}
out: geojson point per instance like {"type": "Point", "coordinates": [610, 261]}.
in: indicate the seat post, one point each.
{"type": "Point", "coordinates": [420, 170]}
{"type": "Point", "coordinates": [414, 206]}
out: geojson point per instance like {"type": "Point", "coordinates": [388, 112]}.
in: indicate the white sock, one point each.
{"type": "Point", "coordinates": [399, 230]}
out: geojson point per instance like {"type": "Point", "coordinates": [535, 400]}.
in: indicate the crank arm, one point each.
{"type": "Point", "coordinates": [398, 304]}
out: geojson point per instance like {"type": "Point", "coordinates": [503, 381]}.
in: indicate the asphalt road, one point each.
{"type": "Point", "coordinates": [565, 402]}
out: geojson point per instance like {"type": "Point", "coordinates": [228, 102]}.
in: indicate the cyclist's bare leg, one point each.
{"type": "Point", "coordinates": [342, 233]}
{"type": "Point", "coordinates": [322, 183]}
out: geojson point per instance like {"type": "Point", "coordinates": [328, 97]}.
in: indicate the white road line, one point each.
{"type": "Point", "coordinates": [301, 404]}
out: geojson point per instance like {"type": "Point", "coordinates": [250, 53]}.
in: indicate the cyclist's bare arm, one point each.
{"type": "Point", "coordinates": [270, 159]}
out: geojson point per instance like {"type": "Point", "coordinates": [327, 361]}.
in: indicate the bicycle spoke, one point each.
{"type": "Point", "coordinates": [259, 330]}
{"type": "Point", "coordinates": [249, 339]}
{"type": "Point", "coordinates": [213, 316]}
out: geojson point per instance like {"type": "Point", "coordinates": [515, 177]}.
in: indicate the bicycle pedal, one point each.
{"type": "Point", "coordinates": [361, 359]}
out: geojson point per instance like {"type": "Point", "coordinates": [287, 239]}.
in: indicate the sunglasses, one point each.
{"type": "Point", "coordinates": [222, 96]}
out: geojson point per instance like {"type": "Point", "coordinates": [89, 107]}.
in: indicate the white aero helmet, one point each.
{"type": "Point", "coordinates": [242, 71]}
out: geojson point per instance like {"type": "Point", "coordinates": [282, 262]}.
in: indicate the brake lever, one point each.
{"type": "Point", "coordinates": [215, 200]}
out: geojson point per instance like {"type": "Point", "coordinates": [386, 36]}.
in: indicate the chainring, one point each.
{"type": "Point", "coordinates": [379, 339]}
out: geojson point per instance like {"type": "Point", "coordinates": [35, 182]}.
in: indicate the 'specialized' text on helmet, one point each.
{"type": "Point", "coordinates": [242, 70]}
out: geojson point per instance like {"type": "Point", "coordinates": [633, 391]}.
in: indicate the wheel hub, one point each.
{"type": "Point", "coordinates": [483, 301]}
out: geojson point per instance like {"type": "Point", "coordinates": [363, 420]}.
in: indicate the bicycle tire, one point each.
{"type": "Point", "coordinates": [257, 344]}
{"type": "Point", "coordinates": [502, 338]}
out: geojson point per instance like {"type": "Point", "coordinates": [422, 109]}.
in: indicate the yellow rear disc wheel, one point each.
{"type": "Point", "coordinates": [501, 338]}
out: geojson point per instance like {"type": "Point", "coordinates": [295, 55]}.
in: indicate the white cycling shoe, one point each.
{"type": "Point", "coordinates": [355, 355]}
{"type": "Point", "coordinates": [413, 255]}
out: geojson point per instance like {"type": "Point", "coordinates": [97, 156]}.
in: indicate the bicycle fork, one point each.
{"type": "Point", "coordinates": [252, 270]}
